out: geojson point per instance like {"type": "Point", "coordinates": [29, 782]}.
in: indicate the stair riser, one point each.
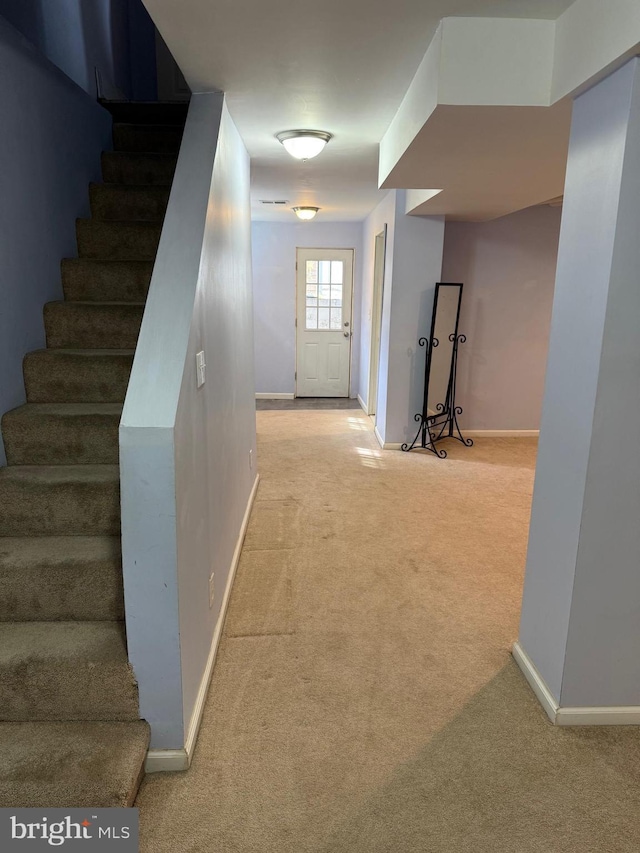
{"type": "Point", "coordinates": [85, 593]}
{"type": "Point", "coordinates": [75, 326]}
{"type": "Point", "coordinates": [67, 690]}
{"type": "Point", "coordinates": [117, 240]}
{"type": "Point", "coordinates": [57, 440]}
{"type": "Point", "coordinates": [138, 169]}
{"type": "Point", "coordinates": [52, 377]}
{"type": "Point", "coordinates": [128, 203]}
{"type": "Point", "coordinates": [140, 137]}
{"type": "Point", "coordinates": [106, 281]}
{"type": "Point", "coordinates": [82, 508]}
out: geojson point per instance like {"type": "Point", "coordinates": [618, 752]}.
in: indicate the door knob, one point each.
{"type": "Point", "coordinates": [346, 323]}
{"type": "Point", "coordinates": [346, 334]}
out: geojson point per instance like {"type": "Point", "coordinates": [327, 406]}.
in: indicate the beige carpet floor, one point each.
{"type": "Point", "coordinates": [364, 698]}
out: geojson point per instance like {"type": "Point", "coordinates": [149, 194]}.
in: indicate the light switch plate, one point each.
{"type": "Point", "coordinates": [200, 366]}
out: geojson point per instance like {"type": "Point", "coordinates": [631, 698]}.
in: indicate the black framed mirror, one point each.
{"type": "Point", "coordinates": [440, 350]}
{"type": "Point", "coordinates": [439, 416]}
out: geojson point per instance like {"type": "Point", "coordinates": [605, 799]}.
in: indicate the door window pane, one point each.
{"type": "Point", "coordinates": [336, 318]}
{"type": "Point", "coordinates": [323, 318]}
{"type": "Point", "coordinates": [336, 296]}
{"type": "Point", "coordinates": [312, 318]}
{"type": "Point", "coordinates": [336, 272]}
{"type": "Point", "coordinates": [325, 294]}
{"type": "Point", "coordinates": [325, 272]}
{"type": "Point", "coordinates": [312, 272]}
{"type": "Point", "coordinates": [312, 291]}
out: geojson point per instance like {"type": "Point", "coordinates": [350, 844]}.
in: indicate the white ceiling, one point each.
{"type": "Point", "coordinates": [337, 65]}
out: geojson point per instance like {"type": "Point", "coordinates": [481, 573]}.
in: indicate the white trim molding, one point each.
{"type": "Point", "coordinates": [628, 715]}
{"type": "Point", "coordinates": [169, 760]}
{"type": "Point", "coordinates": [385, 445]}
{"type": "Point", "coordinates": [363, 405]}
{"type": "Point", "coordinates": [274, 396]}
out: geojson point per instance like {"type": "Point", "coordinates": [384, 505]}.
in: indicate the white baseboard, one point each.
{"type": "Point", "coordinates": [628, 715]}
{"type": "Point", "coordinates": [501, 433]}
{"type": "Point", "coordinates": [536, 682]}
{"type": "Point", "coordinates": [275, 396]}
{"type": "Point", "coordinates": [363, 405]}
{"type": "Point", "coordinates": [167, 760]}
{"type": "Point", "coordinates": [159, 760]}
{"type": "Point", "coordinates": [385, 445]}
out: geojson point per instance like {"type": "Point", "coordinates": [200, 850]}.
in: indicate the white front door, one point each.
{"type": "Point", "coordinates": [324, 284]}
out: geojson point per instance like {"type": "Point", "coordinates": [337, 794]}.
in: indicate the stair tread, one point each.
{"type": "Point", "coordinates": [93, 642]}
{"type": "Point", "coordinates": [34, 410]}
{"type": "Point", "coordinates": [101, 353]}
{"type": "Point", "coordinates": [45, 551]}
{"type": "Point", "coordinates": [129, 188]}
{"type": "Point", "coordinates": [94, 304]}
{"type": "Point", "coordinates": [71, 764]}
{"type": "Point", "coordinates": [60, 474]}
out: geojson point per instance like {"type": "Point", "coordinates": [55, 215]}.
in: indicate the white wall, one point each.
{"type": "Point", "coordinates": [508, 270]}
{"type": "Point", "coordinates": [51, 137]}
{"type": "Point", "coordinates": [384, 214]}
{"type": "Point", "coordinates": [417, 266]}
{"type": "Point", "coordinates": [413, 265]}
{"type": "Point", "coordinates": [579, 621]}
{"type": "Point", "coordinates": [216, 425]}
{"type": "Point", "coordinates": [184, 451]}
{"type": "Point", "coordinates": [274, 295]}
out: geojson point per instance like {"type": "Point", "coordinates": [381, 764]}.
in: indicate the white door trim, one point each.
{"type": "Point", "coordinates": [376, 321]}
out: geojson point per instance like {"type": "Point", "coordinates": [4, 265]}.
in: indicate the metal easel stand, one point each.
{"type": "Point", "coordinates": [444, 424]}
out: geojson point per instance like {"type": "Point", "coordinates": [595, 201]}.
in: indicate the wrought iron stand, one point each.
{"type": "Point", "coordinates": [444, 424]}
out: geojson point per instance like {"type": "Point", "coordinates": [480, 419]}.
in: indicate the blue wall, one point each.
{"type": "Point", "coordinates": [116, 36]}
{"type": "Point", "coordinates": [51, 136]}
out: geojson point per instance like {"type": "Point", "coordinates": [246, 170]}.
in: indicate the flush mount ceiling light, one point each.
{"type": "Point", "coordinates": [304, 144]}
{"type": "Point", "coordinates": [305, 213]}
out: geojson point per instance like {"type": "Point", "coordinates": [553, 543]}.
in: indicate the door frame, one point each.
{"type": "Point", "coordinates": [379, 259]}
{"type": "Point", "coordinates": [295, 310]}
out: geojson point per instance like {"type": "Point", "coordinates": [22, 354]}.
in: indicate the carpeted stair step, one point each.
{"type": "Point", "coordinates": [60, 500]}
{"type": "Point", "coordinates": [61, 578]}
{"type": "Point", "coordinates": [130, 167]}
{"type": "Point", "coordinates": [92, 325]}
{"type": "Point", "coordinates": [117, 240]}
{"type": "Point", "coordinates": [90, 280]}
{"type": "Point", "coordinates": [71, 765]}
{"type": "Point", "coordinates": [164, 138]}
{"type": "Point", "coordinates": [62, 434]}
{"type": "Point", "coordinates": [77, 376]}
{"type": "Point", "coordinates": [121, 201]}
{"type": "Point", "coordinates": [65, 671]}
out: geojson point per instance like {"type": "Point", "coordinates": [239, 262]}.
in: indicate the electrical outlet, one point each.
{"type": "Point", "coordinates": [211, 590]}
{"type": "Point", "coordinates": [200, 366]}
{"type": "Point", "coordinates": [251, 460]}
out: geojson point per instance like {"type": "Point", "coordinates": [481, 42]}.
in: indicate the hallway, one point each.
{"type": "Point", "coordinates": [364, 697]}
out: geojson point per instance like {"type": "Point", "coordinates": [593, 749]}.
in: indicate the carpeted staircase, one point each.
{"type": "Point", "coordinates": [70, 733]}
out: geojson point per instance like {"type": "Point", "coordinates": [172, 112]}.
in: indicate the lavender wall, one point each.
{"type": "Point", "coordinates": [116, 36]}
{"type": "Point", "coordinates": [508, 269]}
{"type": "Point", "coordinates": [274, 295]}
{"type": "Point", "coordinates": [51, 136]}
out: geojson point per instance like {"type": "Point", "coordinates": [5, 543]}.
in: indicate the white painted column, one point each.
{"type": "Point", "coordinates": [580, 629]}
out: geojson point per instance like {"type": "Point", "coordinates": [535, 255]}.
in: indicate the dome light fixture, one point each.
{"type": "Point", "coordinates": [304, 144]}
{"type": "Point", "coordinates": [305, 213]}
